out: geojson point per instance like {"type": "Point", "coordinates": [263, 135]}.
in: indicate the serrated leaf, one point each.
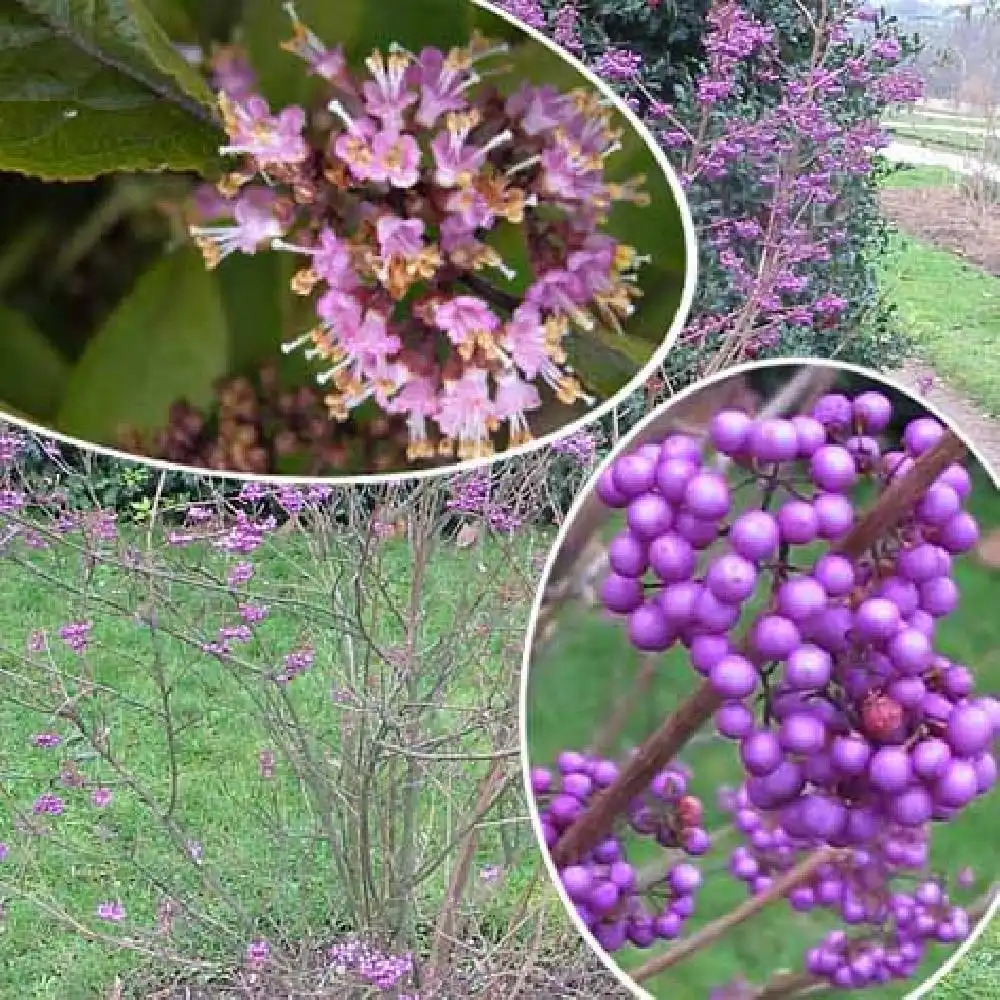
{"type": "Point", "coordinates": [168, 340]}
{"type": "Point", "coordinates": [93, 86]}
{"type": "Point", "coordinates": [33, 374]}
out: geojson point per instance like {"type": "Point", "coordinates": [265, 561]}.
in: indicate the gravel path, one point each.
{"type": "Point", "coordinates": [980, 428]}
{"type": "Point", "coordinates": [903, 152]}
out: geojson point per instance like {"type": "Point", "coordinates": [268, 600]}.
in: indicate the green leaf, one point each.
{"type": "Point", "coordinates": [33, 374]}
{"type": "Point", "coordinates": [167, 340]}
{"type": "Point", "coordinates": [12, 412]}
{"type": "Point", "coordinates": [93, 86]}
{"type": "Point", "coordinates": [262, 313]}
{"type": "Point", "coordinates": [254, 290]}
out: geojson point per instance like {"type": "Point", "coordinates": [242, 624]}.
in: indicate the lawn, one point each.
{"type": "Point", "coordinates": [950, 309]}
{"type": "Point", "coordinates": [257, 837]}
{"type": "Point", "coordinates": [590, 657]}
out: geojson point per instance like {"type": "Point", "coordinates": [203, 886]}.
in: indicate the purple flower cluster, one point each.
{"type": "Point", "coordinates": [258, 954]}
{"type": "Point", "coordinates": [581, 447]}
{"type": "Point", "coordinates": [472, 494]}
{"type": "Point", "coordinates": [76, 635]}
{"type": "Point", "coordinates": [296, 663]}
{"type": "Point", "coordinates": [112, 911]}
{"type": "Point", "coordinates": [391, 195]}
{"type": "Point", "coordinates": [12, 445]}
{"type": "Point", "coordinates": [371, 965]}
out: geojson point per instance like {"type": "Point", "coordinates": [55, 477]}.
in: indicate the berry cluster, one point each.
{"type": "Point", "coordinates": [615, 901]}
{"type": "Point", "coordinates": [853, 730]}
{"type": "Point", "coordinates": [391, 193]}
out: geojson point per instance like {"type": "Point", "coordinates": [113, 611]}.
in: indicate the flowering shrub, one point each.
{"type": "Point", "coordinates": [772, 120]}
{"type": "Point", "coordinates": [263, 723]}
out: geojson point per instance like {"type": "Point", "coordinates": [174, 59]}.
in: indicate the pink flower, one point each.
{"type": "Point", "coordinates": [257, 222]}
{"type": "Point", "coordinates": [328, 63]}
{"type": "Point", "coordinates": [418, 400]}
{"type": "Point", "coordinates": [232, 73]}
{"type": "Point", "coordinates": [254, 131]}
{"type": "Point", "coordinates": [465, 319]}
{"type": "Point", "coordinates": [400, 237]}
{"type": "Point", "coordinates": [441, 81]}
{"type": "Point", "coordinates": [386, 95]}
{"type": "Point", "coordinates": [395, 160]}
{"type": "Point", "coordinates": [46, 741]}
{"type": "Point", "coordinates": [467, 414]}
{"type": "Point", "coordinates": [514, 399]}
{"type": "Point", "coordinates": [562, 292]}
{"type": "Point", "coordinates": [524, 340]}
{"type": "Point", "coordinates": [456, 161]}
{"type": "Point", "coordinates": [540, 109]}
{"type": "Point", "coordinates": [354, 146]}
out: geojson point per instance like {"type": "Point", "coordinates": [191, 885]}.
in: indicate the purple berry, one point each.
{"type": "Point", "coordinates": [921, 435]}
{"type": "Point", "coordinates": [754, 535]}
{"type": "Point", "coordinates": [833, 469]}
{"type": "Point", "coordinates": [872, 411]}
{"type": "Point", "coordinates": [627, 555]}
{"type": "Point", "coordinates": [774, 637]}
{"type": "Point", "coordinates": [649, 630]}
{"type": "Point", "coordinates": [733, 677]}
{"type": "Point", "coordinates": [728, 431]}
{"type": "Point", "coordinates": [707, 496]}
{"type": "Point", "coordinates": [621, 594]}
{"type": "Point", "coordinates": [649, 516]}
{"type": "Point", "coordinates": [632, 475]}
{"type": "Point", "coordinates": [773, 440]}
{"type": "Point", "coordinates": [798, 522]}
{"type": "Point", "coordinates": [731, 578]}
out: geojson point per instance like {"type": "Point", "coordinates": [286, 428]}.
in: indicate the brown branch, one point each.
{"type": "Point", "coordinates": [490, 789]}
{"type": "Point", "coordinates": [899, 499]}
{"type": "Point", "coordinates": [651, 757]}
{"type": "Point", "coordinates": [664, 744]}
{"type": "Point", "coordinates": [748, 908]}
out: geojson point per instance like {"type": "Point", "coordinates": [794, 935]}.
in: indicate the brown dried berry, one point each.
{"type": "Point", "coordinates": [690, 810]}
{"type": "Point", "coordinates": [881, 716]}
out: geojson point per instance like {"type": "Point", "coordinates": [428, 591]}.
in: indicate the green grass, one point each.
{"type": "Point", "coordinates": [589, 664]}
{"type": "Point", "coordinates": [918, 117]}
{"type": "Point", "coordinates": [286, 886]}
{"type": "Point", "coordinates": [952, 312]}
{"type": "Point", "coordinates": [921, 177]}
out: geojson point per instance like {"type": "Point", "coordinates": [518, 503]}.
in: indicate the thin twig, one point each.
{"type": "Point", "coordinates": [748, 908]}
